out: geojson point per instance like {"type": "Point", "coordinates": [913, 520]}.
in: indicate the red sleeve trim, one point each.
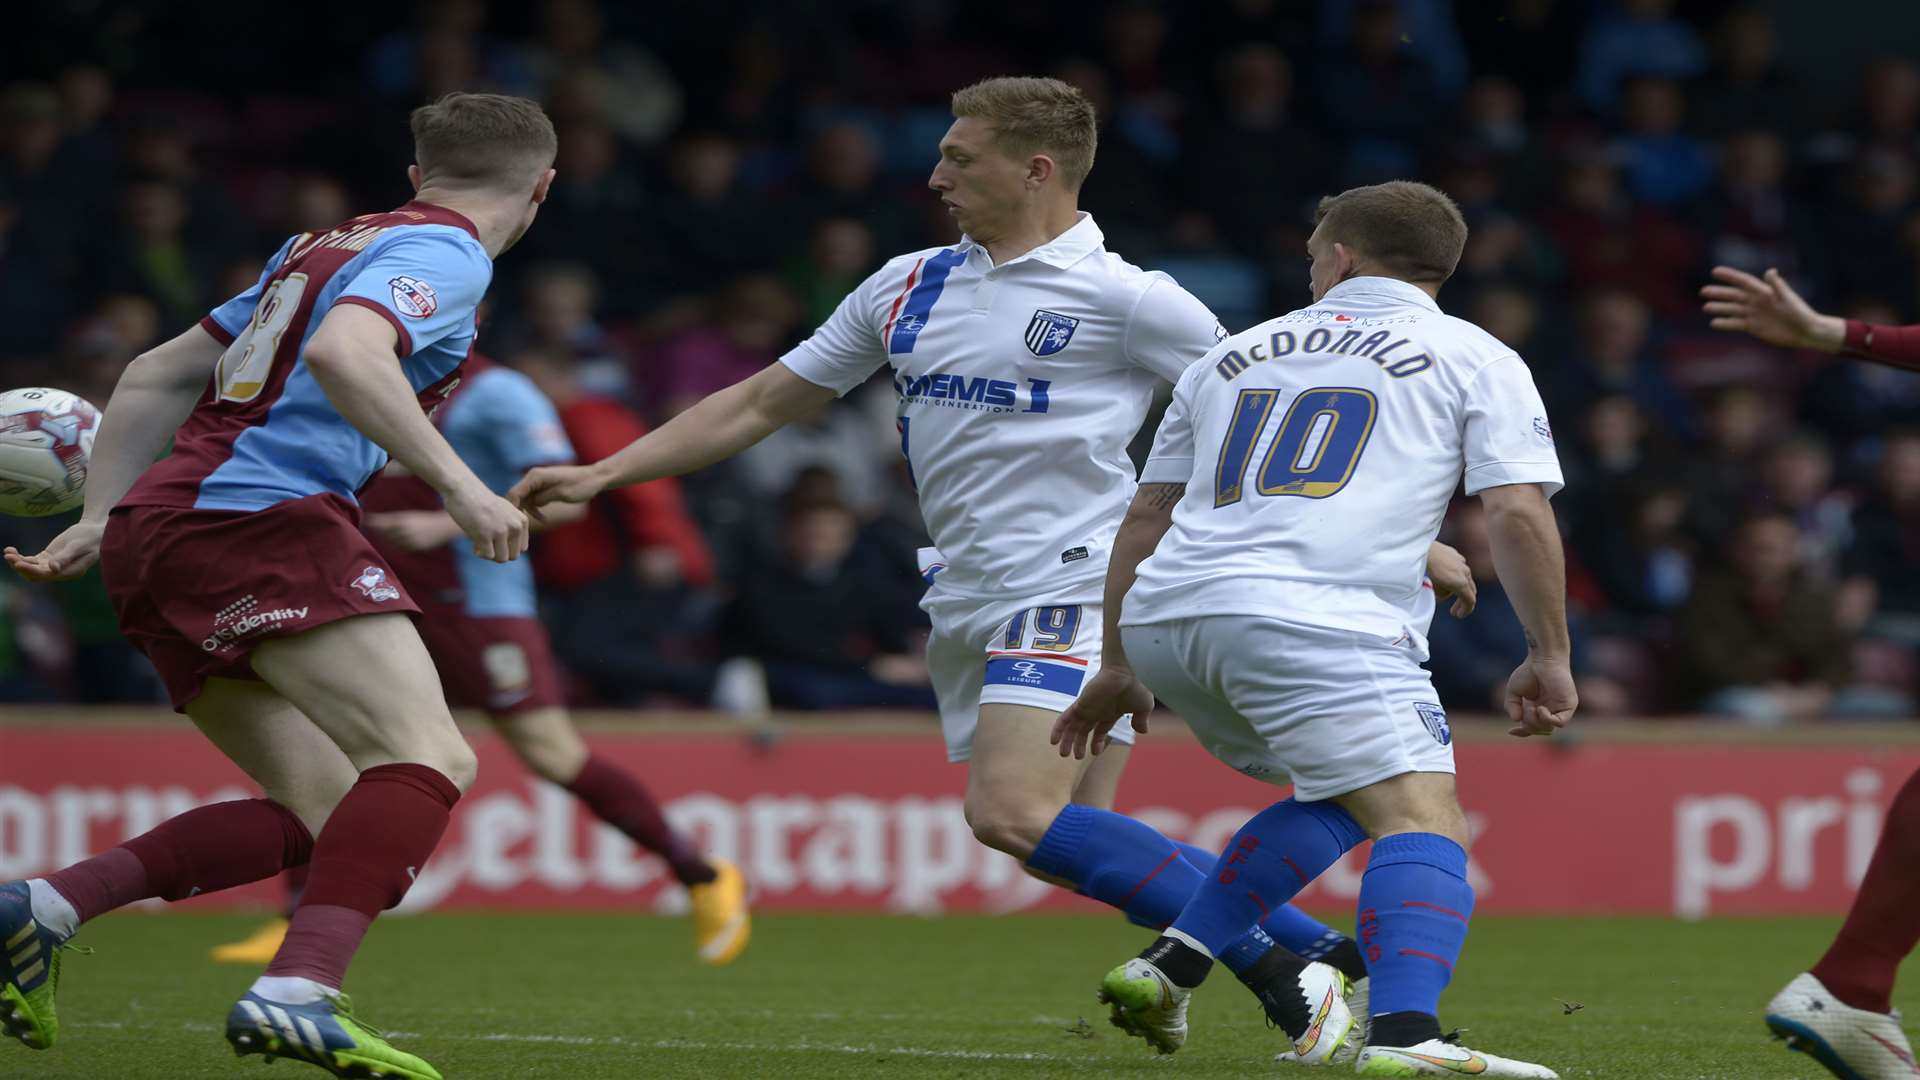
{"type": "Point", "coordinates": [406, 339]}
{"type": "Point", "coordinates": [212, 326]}
{"type": "Point", "coordinates": [1898, 346]}
{"type": "Point", "coordinates": [1856, 336]}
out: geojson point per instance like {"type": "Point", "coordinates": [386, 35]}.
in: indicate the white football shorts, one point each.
{"type": "Point", "coordinates": [1036, 652]}
{"type": "Point", "coordinates": [1330, 710]}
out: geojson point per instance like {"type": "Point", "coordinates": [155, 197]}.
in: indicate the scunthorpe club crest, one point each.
{"type": "Point", "coordinates": [1049, 333]}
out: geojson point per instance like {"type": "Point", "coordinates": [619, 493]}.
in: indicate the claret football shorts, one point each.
{"type": "Point", "coordinates": [196, 590]}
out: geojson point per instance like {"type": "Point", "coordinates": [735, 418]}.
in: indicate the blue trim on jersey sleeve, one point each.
{"type": "Point", "coordinates": [234, 315]}
{"type": "Point", "coordinates": [428, 278]}
{"type": "Point", "coordinates": [919, 306]}
{"type": "Point", "coordinates": [304, 446]}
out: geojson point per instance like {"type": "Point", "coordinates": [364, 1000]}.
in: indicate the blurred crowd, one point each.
{"type": "Point", "coordinates": [1742, 523]}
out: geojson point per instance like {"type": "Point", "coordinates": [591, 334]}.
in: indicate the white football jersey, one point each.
{"type": "Point", "coordinates": [1320, 451]}
{"type": "Point", "coordinates": [1019, 387]}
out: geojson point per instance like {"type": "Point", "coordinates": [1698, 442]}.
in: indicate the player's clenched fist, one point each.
{"type": "Point", "coordinates": [557, 483]}
{"type": "Point", "coordinates": [1540, 697]}
{"type": "Point", "coordinates": [1108, 696]}
{"type": "Point", "coordinates": [497, 527]}
{"type": "Point", "coordinates": [71, 554]}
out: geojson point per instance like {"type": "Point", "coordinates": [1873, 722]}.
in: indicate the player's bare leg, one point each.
{"type": "Point", "coordinates": [206, 849]}
{"type": "Point", "coordinates": [550, 746]}
{"type": "Point", "coordinates": [1100, 784]}
{"type": "Point", "coordinates": [292, 761]}
{"type": "Point", "coordinates": [369, 685]}
{"type": "Point", "coordinates": [1016, 784]}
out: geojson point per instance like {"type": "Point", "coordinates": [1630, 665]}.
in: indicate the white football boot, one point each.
{"type": "Point", "coordinates": [1147, 1004]}
{"type": "Point", "coordinates": [1358, 1007]}
{"type": "Point", "coordinates": [1853, 1044]}
{"type": "Point", "coordinates": [1438, 1057]}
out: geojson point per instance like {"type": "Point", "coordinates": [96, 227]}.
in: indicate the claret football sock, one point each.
{"type": "Point", "coordinates": [203, 850]}
{"type": "Point", "coordinates": [1414, 907]}
{"type": "Point", "coordinates": [619, 799]}
{"type": "Point", "coordinates": [1271, 858]}
{"type": "Point", "coordinates": [364, 861]}
{"type": "Point", "coordinates": [1119, 861]}
{"type": "Point", "coordinates": [1884, 923]}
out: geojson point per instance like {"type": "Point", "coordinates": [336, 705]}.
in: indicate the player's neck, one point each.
{"type": "Point", "coordinates": [1035, 230]}
{"type": "Point", "coordinates": [493, 219]}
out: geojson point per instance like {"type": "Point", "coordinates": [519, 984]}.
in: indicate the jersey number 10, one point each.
{"type": "Point", "coordinates": [1314, 453]}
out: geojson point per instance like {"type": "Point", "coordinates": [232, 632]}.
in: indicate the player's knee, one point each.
{"type": "Point", "coordinates": [547, 745]}
{"type": "Point", "coordinates": [1012, 827]}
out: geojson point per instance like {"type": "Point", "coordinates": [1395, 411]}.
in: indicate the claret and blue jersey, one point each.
{"type": "Point", "coordinates": [264, 433]}
{"type": "Point", "coordinates": [501, 425]}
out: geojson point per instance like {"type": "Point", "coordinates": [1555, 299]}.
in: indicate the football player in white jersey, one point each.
{"type": "Point", "coordinates": [1301, 471]}
{"type": "Point", "coordinates": [1025, 358]}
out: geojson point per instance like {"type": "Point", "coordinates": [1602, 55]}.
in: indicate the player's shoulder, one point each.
{"type": "Point", "coordinates": [1466, 345]}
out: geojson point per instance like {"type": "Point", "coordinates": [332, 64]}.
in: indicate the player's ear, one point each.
{"type": "Point", "coordinates": [543, 185]}
{"type": "Point", "coordinates": [1039, 168]}
{"type": "Point", "coordinates": [1346, 263]}
{"type": "Point", "coordinates": [415, 177]}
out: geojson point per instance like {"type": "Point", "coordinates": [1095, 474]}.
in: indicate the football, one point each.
{"type": "Point", "coordinates": [46, 439]}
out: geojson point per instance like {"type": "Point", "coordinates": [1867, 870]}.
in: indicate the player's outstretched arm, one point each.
{"type": "Point", "coordinates": [1115, 690]}
{"type": "Point", "coordinates": [153, 398]}
{"type": "Point", "coordinates": [1526, 553]}
{"type": "Point", "coordinates": [352, 357]}
{"type": "Point", "coordinates": [1769, 309]}
{"type": "Point", "coordinates": [721, 425]}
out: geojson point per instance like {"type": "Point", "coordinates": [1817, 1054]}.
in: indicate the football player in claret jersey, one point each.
{"type": "Point", "coordinates": [236, 565]}
{"type": "Point", "coordinates": [1841, 1010]}
{"type": "Point", "coordinates": [1300, 473]}
{"type": "Point", "coordinates": [480, 621]}
{"type": "Point", "coordinates": [1024, 358]}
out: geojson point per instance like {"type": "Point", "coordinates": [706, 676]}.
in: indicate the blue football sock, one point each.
{"type": "Point", "coordinates": [1118, 861]}
{"type": "Point", "coordinates": [1414, 907]}
{"type": "Point", "coordinates": [1301, 933]}
{"type": "Point", "coordinates": [1271, 858]}
{"type": "Point", "coordinates": [1198, 856]}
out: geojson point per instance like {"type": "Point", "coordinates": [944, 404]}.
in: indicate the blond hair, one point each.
{"type": "Point", "coordinates": [1036, 116]}
{"type": "Point", "coordinates": [483, 140]}
{"type": "Point", "coordinates": [1411, 230]}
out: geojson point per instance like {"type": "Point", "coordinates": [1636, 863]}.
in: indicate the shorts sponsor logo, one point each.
{"type": "Point", "coordinates": [373, 582]}
{"type": "Point", "coordinates": [413, 297]}
{"type": "Point", "coordinates": [244, 619]}
{"type": "Point", "coordinates": [1059, 678]}
{"type": "Point", "coordinates": [1073, 554]}
{"type": "Point", "coordinates": [1435, 719]}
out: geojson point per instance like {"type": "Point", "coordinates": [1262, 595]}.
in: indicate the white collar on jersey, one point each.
{"type": "Point", "coordinates": [1080, 240]}
{"type": "Point", "coordinates": [1393, 288]}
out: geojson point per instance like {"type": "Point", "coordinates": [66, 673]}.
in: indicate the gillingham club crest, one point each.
{"type": "Point", "coordinates": [1049, 333]}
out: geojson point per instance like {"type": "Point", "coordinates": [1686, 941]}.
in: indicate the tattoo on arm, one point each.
{"type": "Point", "coordinates": [1161, 496]}
{"type": "Point", "coordinates": [1532, 642]}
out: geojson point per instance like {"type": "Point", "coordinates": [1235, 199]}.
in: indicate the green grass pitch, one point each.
{"type": "Point", "coordinates": [523, 997]}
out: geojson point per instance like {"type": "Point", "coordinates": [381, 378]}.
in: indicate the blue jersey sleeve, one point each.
{"type": "Point", "coordinates": [426, 280]}
{"type": "Point", "coordinates": [229, 319]}
{"type": "Point", "coordinates": [504, 411]}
